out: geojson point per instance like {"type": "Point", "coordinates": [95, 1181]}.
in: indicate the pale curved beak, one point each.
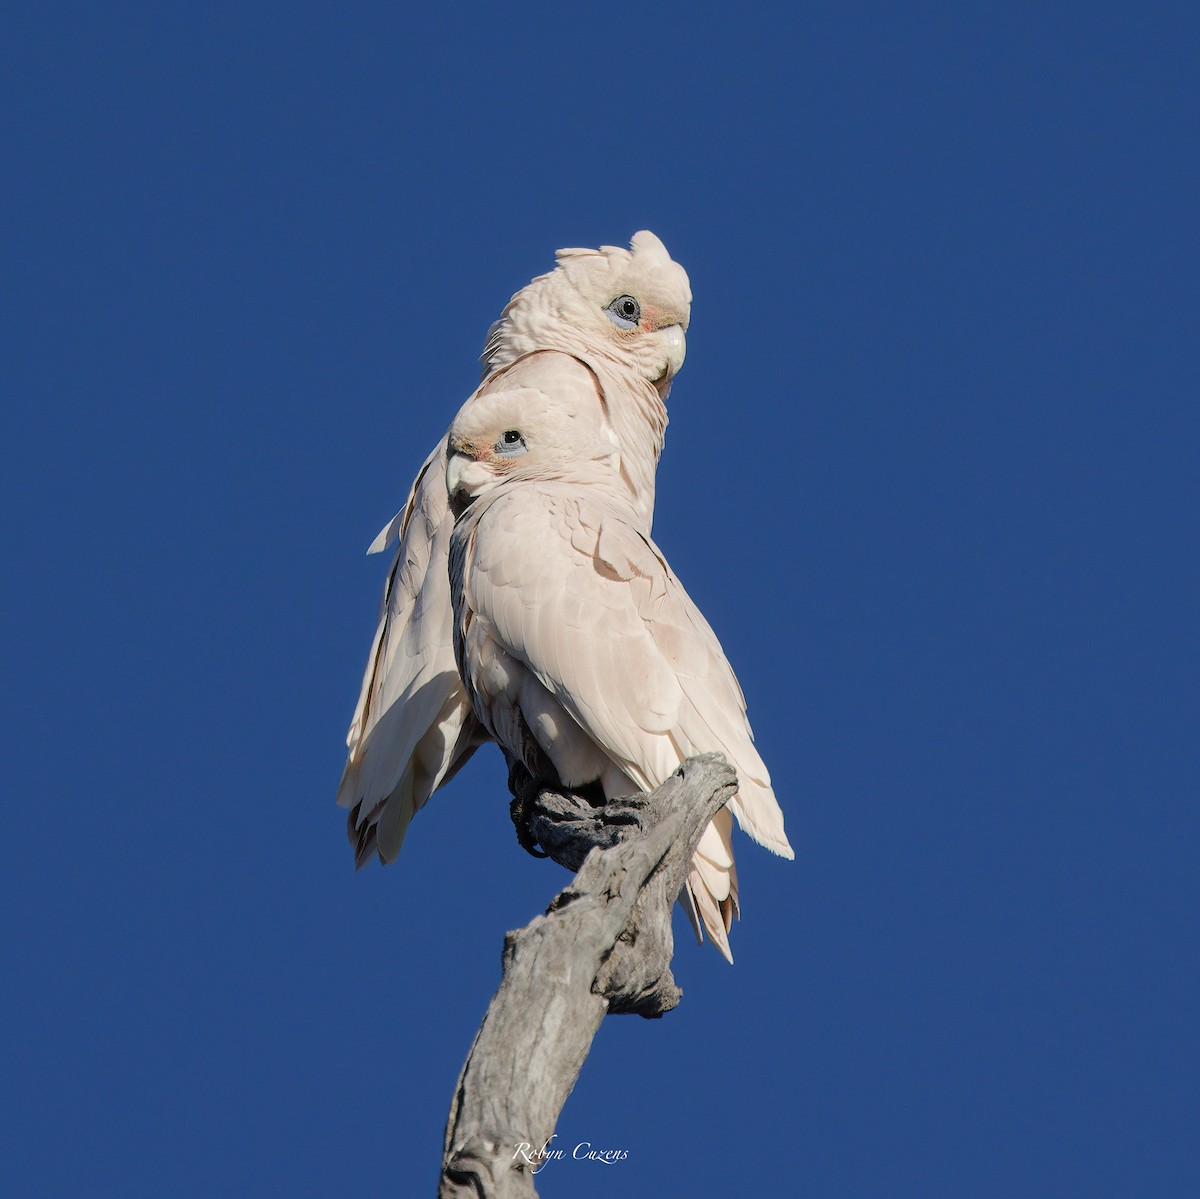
{"type": "Point", "coordinates": [456, 464]}
{"type": "Point", "coordinates": [676, 348]}
{"type": "Point", "coordinates": [466, 477]}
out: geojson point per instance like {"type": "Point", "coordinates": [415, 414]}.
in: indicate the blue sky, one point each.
{"type": "Point", "coordinates": [931, 475]}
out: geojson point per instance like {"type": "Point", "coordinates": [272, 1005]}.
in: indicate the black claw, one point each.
{"type": "Point", "coordinates": [518, 810]}
{"type": "Point", "coordinates": [524, 790]}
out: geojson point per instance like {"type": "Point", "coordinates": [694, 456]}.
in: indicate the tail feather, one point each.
{"type": "Point", "coordinates": [710, 896]}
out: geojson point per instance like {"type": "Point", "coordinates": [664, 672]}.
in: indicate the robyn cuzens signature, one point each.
{"type": "Point", "coordinates": [584, 1151]}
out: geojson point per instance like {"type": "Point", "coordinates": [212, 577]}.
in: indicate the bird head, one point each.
{"type": "Point", "coordinates": [520, 434]}
{"type": "Point", "coordinates": [628, 308]}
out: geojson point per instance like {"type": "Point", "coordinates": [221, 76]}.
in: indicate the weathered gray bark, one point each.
{"type": "Point", "coordinates": [604, 945]}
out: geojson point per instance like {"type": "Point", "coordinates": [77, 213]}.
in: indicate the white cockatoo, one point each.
{"type": "Point", "coordinates": [605, 330]}
{"type": "Point", "coordinates": [576, 644]}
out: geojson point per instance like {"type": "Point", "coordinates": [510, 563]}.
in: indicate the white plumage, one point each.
{"type": "Point", "coordinates": [562, 340]}
{"type": "Point", "coordinates": [576, 643]}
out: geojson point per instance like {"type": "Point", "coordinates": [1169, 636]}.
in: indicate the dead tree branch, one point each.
{"type": "Point", "coordinates": [604, 945]}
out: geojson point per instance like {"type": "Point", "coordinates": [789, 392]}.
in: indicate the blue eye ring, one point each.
{"type": "Point", "coordinates": [624, 312]}
{"type": "Point", "coordinates": [510, 443]}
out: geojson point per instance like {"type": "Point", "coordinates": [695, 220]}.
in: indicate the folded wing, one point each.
{"type": "Point", "coordinates": [562, 584]}
{"type": "Point", "coordinates": [413, 727]}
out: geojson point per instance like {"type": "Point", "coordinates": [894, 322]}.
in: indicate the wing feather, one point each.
{"type": "Point", "coordinates": [583, 600]}
{"type": "Point", "coordinates": [413, 726]}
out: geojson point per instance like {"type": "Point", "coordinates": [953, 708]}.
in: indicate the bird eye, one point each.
{"type": "Point", "coordinates": [624, 312]}
{"type": "Point", "coordinates": [511, 443]}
